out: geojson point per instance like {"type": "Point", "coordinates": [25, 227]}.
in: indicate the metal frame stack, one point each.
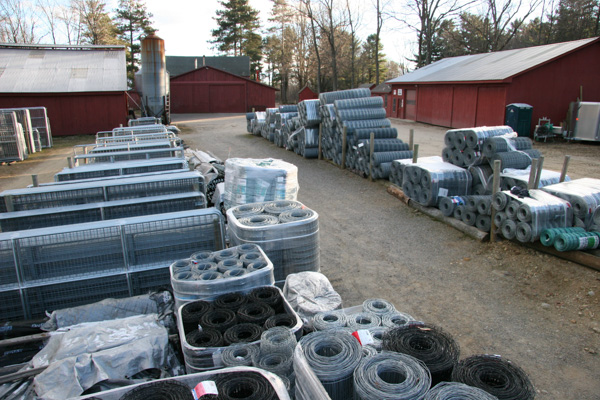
{"type": "Point", "coordinates": [13, 146]}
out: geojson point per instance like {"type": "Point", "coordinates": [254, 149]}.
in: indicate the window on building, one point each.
{"type": "Point", "coordinates": [385, 103]}
{"type": "Point", "coordinates": [394, 104]}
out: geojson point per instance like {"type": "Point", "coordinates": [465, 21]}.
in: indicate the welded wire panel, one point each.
{"type": "Point", "coordinates": [12, 141]}
{"type": "Point", "coordinates": [39, 120]}
{"type": "Point", "coordinates": [137, 130]}
{"type": "Point", "coordinates": [143, 121]}
{"type": "Point", "coordinates": [24, 118]}
{"type": "Point", "coordinates": [148, 145]}
{"type": "Point", "coordinates": [8, 272]}
{"type": "Point", "coordinates": [99, 191]}
{"type": "Point", "coordinates": [10, 305]}
{"type": "Point", "coordinates": [105, 138]}
{"type": "Point", "coordinates": [125, 155]}
{"type": "Point", "coordinates": [122, 168]}
{"type": "Point", "coordinates": [143, 282]}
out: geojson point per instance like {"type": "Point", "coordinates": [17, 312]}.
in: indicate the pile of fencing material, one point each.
{"type": "Point", "coordinates": [385, 151]}
{"type": "Point", "coordinates": [208, 328]}
{"type": "Point", "coordinates": [255, 122]}
{"type": "Point", "coordinates": [257, 180]}
{"type": "Point", "coordinates": [23, 131]}
{"type": "Point", "coordinates": [510, 178]}
{"type": "Point", "coordinates": [206, 275]}
{"type": "Point", "coordinates": [475, 210]}
{"type": "Point", "coordinates": [525, 215]}
{"type": "Point", "coordinates": [397, 168]}
{"type": "Point", "coordinates": [584, 196]}
{"type": "Point", "coordinates": [287, 231]}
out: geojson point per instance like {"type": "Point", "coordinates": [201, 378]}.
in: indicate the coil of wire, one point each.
{"type": "Point", "coordinates": [457, 391]}
{"type": "Point", "coordinates": [392, 376]}
{"type": "Point", "coordinates": [329, 320]}
{"type": "Point", "coordinates": [495, 375]}
{"type": "Point", "coordinates": [363, 320]}
{"type": "Point", "coordinates": [333, 358]}
{"type": "Point", "coordinates": [548, 236]}
{"type": "Point", "coordinates": [239, 355]}
{"type": "Point", "coordinates": [430, 344]}
{"type": "Point", "coordinates": [204, 338]}
{"type": "Point", "coordinates": [244, 385]}
{"type": "Point", "coordinates": [242, 333]}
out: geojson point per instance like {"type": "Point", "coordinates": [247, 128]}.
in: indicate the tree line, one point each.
{"type": "Point", "coordinates": [317, 42]}
{"type": "Point", "coordinates": [79, 22]}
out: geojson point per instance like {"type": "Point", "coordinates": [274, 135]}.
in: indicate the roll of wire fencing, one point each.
{"type": "Point", "coordinates": [583, 194]}
{"type": "Point", "coordinates": [290, 240]}
{"type": "Point", "coordinates": [511, 177]}
{"type": "Point", "coordinates": [430, 344]}
{"type": "Point", "coordinates": [463, 147]}
{"type": "Point", "coordinates": [308, 142]}
{"type": "Point", "coordinates": [397, 167]}
{"type": "Point", "coordinates": [163, 390]}
{"type": "Point", "coordinates": [309, 113]}
{"type": "Point", "coordinates": [455, 391]}
{"type": "Point", "coordinates": [392, 376]}
{"type": "Point", "coordinates": [496, 375]}
{"type": "Point", "coordinates": [473, 210]}
{"type": "Point", "coordinates": [425, 183]}
{"type": "Point", "coordinates": [529, 214]}
{"type": "Point", "coordinates": [252, 180]}
{"type": "Point", "coordinates": [548, 236]}
{"type": "Point", "coordinates": [329, 320]}
{"type": "Point", "coordinates": [239, 355]}
{"type": "Point", "coordinates": [577, 241]}
{"type": "Point", "coordinates": [378, 306]}
{"type": "Point", "coordinates": [333, 358]}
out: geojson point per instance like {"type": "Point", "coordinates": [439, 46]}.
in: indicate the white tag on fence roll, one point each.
{"type": "Point", "coordinates": [443, 192]}
{"type": "Point", "coordinates": [364, 337]}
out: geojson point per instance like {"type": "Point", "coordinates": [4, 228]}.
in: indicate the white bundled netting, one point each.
{"type": "Point", "coordinates": [245, 267]}
{"type": "Point", "coordinates": [525, 217]}
{"type": "Point", "coordinates": [583, 194]}
{"type": "Point", "coordinates": [424, 183]}
{"type": "Point", "coordinates": [287, 231]}
{"type": "Point", "coordinates": [257, 180]}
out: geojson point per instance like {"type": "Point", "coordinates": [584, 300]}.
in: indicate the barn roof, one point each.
{"type": "Point", "coordinates": [173, 79]}
{"type": "Point", "coordinates": [177, 65]}
{"type": "Point", "coordinates": [62, 68]}
{"type": "Point", "coordinates": [496, 66]}
{"type": "Point", "coordinates": [382, 88]}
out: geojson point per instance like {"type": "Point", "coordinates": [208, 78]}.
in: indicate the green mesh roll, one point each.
{"type": "Point", "coordinates": [548, 236]}
{"type": "Point", "coordinates": [577, 241]}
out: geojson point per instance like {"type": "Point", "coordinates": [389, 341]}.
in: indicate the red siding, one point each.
{"type": "Point", "coordinates": [307, 94]}
{"type": "Point", "coordinates": [75, 113]}
{"type": "Point", "coordinates": [434, 104]}
{"type": "Point", "coordinates": [551, 87]}
{"type": "Point", "coordinates": [209, 90]}
{"type": "Point", "coordinates": [491, 103]}
{"type": "Point", "coordinates": [464, 106]}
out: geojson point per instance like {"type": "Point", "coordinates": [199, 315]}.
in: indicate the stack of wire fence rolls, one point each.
{"type": "Point", "coordinates": [287, 231]}
{"type": "Point", "coordinates": [207, 328]}
{"type": "Point", "coordinates": [206, 275]}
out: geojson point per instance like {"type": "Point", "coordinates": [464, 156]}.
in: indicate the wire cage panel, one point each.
{"type": "Point", "coordinates": [13, 146]}
{"type": "Point", "coordinates": [11, 223]}
{"type": "Point", "coordinates": [68, 255]}
{"type": "Point", "coordinates": [145, 281]}
{"type": "Point", "coordinates": [143, 121]}
{"type": "Point", "coordinates": [124, 168]}
{"type": "Point", "coordinates": [10, 306]}
{"type": "Point", "coordinates": [40, 121]}
{"type": "Point", "coordinates": [150, 145]}
{"type": "Point", "coordinates": [131, 155]}
{"type": "Point", "coordinates": [38, 300]}
{"type": "Point", "coordinates": [8, 272]}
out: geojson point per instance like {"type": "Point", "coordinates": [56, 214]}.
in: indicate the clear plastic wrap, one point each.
{"type": "Point", "coordinates": [310, 293]}
{"type": "Point", "coordinates": [198, 359]}
{"type": "Point", "coordinates": [309, 113]}
{"type": "Point", "coordinates": [397, 167]}
{"type": "Point", "coordinates": [256, 180]}
{"type": "Point", "coordinates": [189, 286]}
{"type": "Point", "coordinates": [583, 194]}
{"type": "Point", "coordinates": [510, 177]}
{"type": "Point", "coordinates": [426, 182]}
{"type": "Point", "coordinates": [86, 354]}
{"type": "Point", "coordinates": [464, 146]}
{"type": "Point", "coordinates": [291, 246]}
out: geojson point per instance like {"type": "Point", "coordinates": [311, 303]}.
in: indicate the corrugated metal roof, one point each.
{"type": "Point", "coordinates": [495, 66]}
{"type": "Point", "coordinates": [177, 65]}
{"type": "Point", "coordinates": [52, 69]}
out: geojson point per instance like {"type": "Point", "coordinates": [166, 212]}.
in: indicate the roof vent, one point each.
{"type": "Point", "coordinates": [37, 53]}
{"type": "Point", "coordinates": [79, 73]}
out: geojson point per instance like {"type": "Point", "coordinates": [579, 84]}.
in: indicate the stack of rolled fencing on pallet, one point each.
{"type": "Point", "coordinates": [397, 167]}
{"type": "Point", "coordinates": [384, 152]}
{"type": "Point", "coordinates": [287, 231]}
{"type": "Point", "coordinates": [257, 123]}
{"type": "Point", "coordinates": [569, 239]}
{"type": "Point", "coordinates": [511, 177]}
{"type": "Point", "coordinates": [475, 210]}
{"type": "Point", "coordinates": [332, 150]}
{"type": "Point", "coordinates": [284, 125]}
{"type": "Point", "coordinates": [524, 218]}
{"type": "Point", "coordinates": [307, 142]}
{"type": "Point", "coordinates": [256, 180]}
{"type": "Point", "coordinates": [206, 275]}
{"type": "Point", "coordinates": [425, 183]}
{"type": "Point", "coordinates": [584, 196]}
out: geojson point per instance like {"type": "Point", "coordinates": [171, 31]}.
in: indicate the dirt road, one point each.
{"type": "Point", "coordinates": [501, 298]}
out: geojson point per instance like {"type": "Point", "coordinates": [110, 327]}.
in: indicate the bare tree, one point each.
{"type": "Point", "coordinates": [17, 24]}
{"type": "Point", "coordinates": [306, 7]}
{"type": "Point", "coordinates": [506, 18]}
{"type": "Point", "coordinates": [354, 21]}
{"type": "Point", "coordinates": [71, 22]}
{"type": "Point", "coordinates": [49, 11]}
{"type": "Point", "coordinates": [380, 6]}
{"type": "Point", "coordinates": [330, 23]}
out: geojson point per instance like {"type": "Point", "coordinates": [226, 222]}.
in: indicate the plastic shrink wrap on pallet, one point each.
{"type": "Point", "coordinates": [426, 182]}
{"type": "Point", "coordinates": [257, 180]}
{"type": "Point", "coordinates": [583, 194]}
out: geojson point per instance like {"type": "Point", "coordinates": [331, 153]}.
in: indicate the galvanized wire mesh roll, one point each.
{"type": "Point", "coordinates": [548, 236]}
{"type": "Point", "coordinates": [351, 126]}
{"type": "Point", "coordinates": [329, 320]}
{"type": "Point", "coordinates": [204, 338]}
{"type": "Point", "coordinates": [259, 220]}
{"type": "Point", "coordinates": [364, 102]}
{"type": "Point", "coordinates": [469, 217]}
{"type": "Point", "coordinates": [379, 133]}
{"type": "Point", "coordinates": [181, 266]}
{"type": "Point", "coordinates": [378, 306]}
{"type": "Point", "coordinates": [495, 375]}
{"type": "Point", "coordinates": [246, 210]}
{"type": "Point", "coordinates": [228, 264]}
{"type": "Point", "coordinates": [500, 201]}
{"type": "Point", "coordinates": [428, 343]}
{"type": "Point", "coordinates": [512, 159]}
{"type": "Point", "coordinates": [242, 333]}
{"type": "Point", "coordinates": [363, 320]}
{"type": "Point", "coordinates": [162, 390]}
{"type": "Point", "coordinates": [280, 206]}
{"type": "Point", "coordinates": [275, 361]}
{"type": "Point", "coordinates": [239, 355]}
{"type": "Point", "coordinates": [509, 229]}
{"type": "Point", "coordinates": [257, 265]}
{"type": "Point", "coordinates": [477, 136]}
{"type": "Point", "coordinates": [295, 215]}
{"type": "Point", "coordinates": [447, 205]}
{"type": "Point", "coordinates": [495, 145]}
{"type": "Point", "coordinates": [331, 97]}
{"type": "Point", "coordinates": [278, 339]}
{"type": "Point", "coordinates": [361, 114]}
{"type": "Point", "coordinates": [333, 358]}
{"type": "Point", "coordinates": [247, 248]}
{"type": "Point", "coordinates": [255, 313]}
{"type": "Point", "coordinates": [202, 267]}
{"type": "Point", "coordinates": [202, 256]}
{"type": "Point", "coordinates": [389, 156]}
{"type": "Point", "coordinates": [459, 211]}
{"type": "Point", "coordinates": [230, 301]}
{"type": "Point", "coordinates": [457, 391]}
{"type": "Point", "coordinates": [396, 319]}
{"type": "Point", "coordinates": [524, 232]}
{"type": "Point", "coordinates": [484, 204]}
{"type": "Point", "coordinates": [235, 272]}
{"type": "Point", "coordinates": [219, 319]}
{"type": "Point", "coordinates": [483, 222]}
{"type": "Point", "coordinates": [226, 255]}
{"type": "Point", "coordinates": [499, 218]}
{"type": "Point", "coordinates": [382, 145]}
{"type": "Point", "coordinates": [369, 351]}
{"type": "Point", "coordinates": [209, 276]}
{"type": "Point", "coordinates": [577, 241]}
{"type": "Point", "coordinates": [244, 385]}
{"type": "Point", "coordinates": [472, 157]}
{"type": "Point", "coordinates": [511, 209]}
{"type": "Point", "coordinates": [392, 376]}
{"type": "Point", "coordinates": [285, 320]}
{"type": "Point", "coordinates": [250, 257]}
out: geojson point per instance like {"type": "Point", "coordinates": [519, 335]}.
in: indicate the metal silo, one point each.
{"type": "Point", "coordinates": [155, 79]}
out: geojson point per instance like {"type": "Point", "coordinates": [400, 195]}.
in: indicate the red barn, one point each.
{"type": "Point", "coordinates": [82, 87]}
{"type": "Point", "coordinates": [211, 90]}
{"type": "Point", "coordinates": [474, 90]}
{"type": "Point", "coordinates": [307, 94]}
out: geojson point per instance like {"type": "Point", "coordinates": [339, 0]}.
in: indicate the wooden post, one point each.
{"type": "Point", "coordinates": [344, 139]}
{"type": "Point", "coordinates": [495, 188]}
{"type": "Point", "coordinates": [415, 153]}
{"type": "Point", "coordinates": [371, 151]}
{"type": "Point", "coordinates": [538, 175]}
{"type": "Point", "coordinates": [70, 162]}
{"type": "Point", "coordinates": [320, 138]}
{"type": "Point", "coordinates": [34, 179]}
{"type": "Point", "coordinates": [532, 173]}
{"type": "Point", "coordinates": [411, 139]}
{"type": "Point", "coordinates": [563, 173]}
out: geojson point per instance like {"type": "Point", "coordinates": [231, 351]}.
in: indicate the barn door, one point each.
{"type": "Point", "coordinates": [227, 98]}
{"type": "Point", "coordinates": [410, 108]}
